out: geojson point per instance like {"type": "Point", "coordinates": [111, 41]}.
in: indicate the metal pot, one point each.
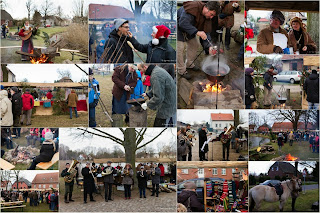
{"type": "Point", "coordinates": [211, 71]}
{"type": "Point", "coordinates": [282, 100]}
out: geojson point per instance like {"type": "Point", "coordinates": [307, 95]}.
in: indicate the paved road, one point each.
{"type": "Point", "coordinates": [310, 187]}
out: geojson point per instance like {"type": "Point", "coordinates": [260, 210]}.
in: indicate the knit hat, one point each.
{"type": "Point", "coordinates": [161, 31]}
{"type": "Point", "coordinates": [190, 185]}
{"type": "Point", "coordinates": [277, 14]}
{"type": "Point", "coordinates": [48, 136]}
{"type": "Point", "coordinates": [249, 70]}
{"type": "Point", "coordinates": [109, 161]}
{"type": "Point", "coordinates": [118, 22]}
{"type": "Point", "coordinates": [15, 89]}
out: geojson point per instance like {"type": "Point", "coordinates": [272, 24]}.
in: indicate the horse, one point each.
{"type": "Point", "coordinates": [259, 193]}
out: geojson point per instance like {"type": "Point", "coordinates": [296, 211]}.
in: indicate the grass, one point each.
{"type": "Point", "coordinates": [60, 120]}
{"type": "Point", "coordinates": [42, 207]}
{"type": "Point", "coordinates": [295, 101]}
{"type": "Point", "coordinates": [303, 203]}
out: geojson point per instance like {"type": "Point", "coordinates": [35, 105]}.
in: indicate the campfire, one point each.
{"type": "Point", "coordinates": [209, 87]}
{"type": "Point", "coordinates": [287, 157]}
{"type": "Point", "coordinates": [38, 60]}
{"type": "Point", "coordinates": [40, 56]}
{"type": "Point", "coordinates": [21, 154]}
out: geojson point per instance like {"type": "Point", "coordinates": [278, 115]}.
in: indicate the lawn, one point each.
{"type": "Point", "coordinates": [60, 120]}
{"type": "Point", "coordinates": [294, 102]}
{"type": "Point", "coordinates": [303, 203]}
{"type": "Point", "coordinates": [42, 207]}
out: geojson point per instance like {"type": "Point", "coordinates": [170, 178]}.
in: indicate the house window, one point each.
{"type": "Point", "coordinates": [223, 171]}
{"type": "Point", "coordinates": [219, 125]}
{"type": "Point", "coordinates": [200, 171]}
{"type": "Point", "coordinates": [185, 171]}
{"type": "Point", "coordinates": [215, 171]}
{"type": "Point", "coordinates": [44, 186]}
{"type": "Point", "coordinates": [272, 169]}
{"type": "Point", "coordinates": [39, 186]}
{"type": "Point", "coordinates": [233, 170]}
{"type": "Point", "coordinates": [277, 168]}
{"type": "Point", "coordinates": [50, 186]}
{"type": "Point", "coordinates": [216, 125]}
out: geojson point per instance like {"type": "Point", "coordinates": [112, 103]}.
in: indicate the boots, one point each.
{"type": "Point", "coordinates": [65, 199]}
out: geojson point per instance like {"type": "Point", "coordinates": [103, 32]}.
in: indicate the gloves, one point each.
{"type": "Point", "coordinates": [144, 106]}
{"type": "Point", "coordinates": [277, 49]}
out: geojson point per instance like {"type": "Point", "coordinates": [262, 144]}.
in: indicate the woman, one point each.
{"type": "Point", "coordinates": [142, 177]}
{"type": "Point", "coordinates": [127, 180]}
{"type": "Point", "coordinates": [72, 103]}
{"type": "Point", "coordinates": [49, 95]}
{"type": "Point", "coordinates": [182, 145]}
{"type": "Point", "coordinates": [300, 39]}
{"type": "Point", "coordinates": [249, 88]}
{"type": "Point", "coordinates": [280, 142]}
{"type": "Point", "coordinates": [6, 110]}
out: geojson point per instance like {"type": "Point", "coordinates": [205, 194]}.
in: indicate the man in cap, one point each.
{"type": "Point", "coordinates": [108, 180]}
{"type": "Point", "coordinates": [265, 41]}
{"type": "Point", "coordinates": [94, 93]}
{"type": "Point", "coordinates": [68, 186]}
{"type": "Point", "coordinates": [118, 49]}
{"type": "Point", "coordinates": [88, 183]}
{"type": "Point", "coordinates": [16, 105]}
{"type": "Point", "coordinates": [268, 84]}
{"type": "Point", "coordinates": [188, 197]}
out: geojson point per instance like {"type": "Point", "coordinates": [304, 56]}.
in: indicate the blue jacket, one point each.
{"type": "Point", "coordinates": [92, 87]}
{"type": "Point", "coordinates": [100, 50]}
{"type": "Point", "coordinates": [138, 90]}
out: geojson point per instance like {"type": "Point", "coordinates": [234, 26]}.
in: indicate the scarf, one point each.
{"type": "Point", "coordinates": [299, 36]}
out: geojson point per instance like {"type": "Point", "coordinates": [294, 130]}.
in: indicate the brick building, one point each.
{"type": "Point", "coordinates": [46, 181]}
{"type": "Point", "coordinates": [288, 126]}
{"type": "Point", "coordinates": [282, 169]}
{"type": "Point", "coordinates": [264, 128]}
{"type": "Point", "coordinates": [22, 184]}
{"type": "Point", "coordinates": [6, 185]}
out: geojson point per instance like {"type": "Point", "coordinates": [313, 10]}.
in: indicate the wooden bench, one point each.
{"type": "Point", "coordinates": [5, 165]}
{"type": "Point", "coordinates": [12, 205]}
{"type": "Point", "coordinates": [75, 53]}
{"type": "Point", "coordinates": [47, 165]}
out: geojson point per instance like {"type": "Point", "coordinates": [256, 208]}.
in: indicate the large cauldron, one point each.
{"type": "Point", "coordinates": [211, 70]}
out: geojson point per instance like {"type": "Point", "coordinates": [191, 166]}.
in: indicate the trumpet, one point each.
{"type": "Point", "coordinates": [187, 139]}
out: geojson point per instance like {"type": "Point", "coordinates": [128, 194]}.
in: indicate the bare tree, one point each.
{"type": "Point", "coordinates": [59, 11]}
{"type": "Point", "coordinates": [29, 5]}
{"type": "Point", "coordinates": [3, 4]}
{"type": "Point", "coordinates": [137, 8]}
{"type": "Point", "coordinates": [78, 10]}
{"type": "Point", "coordinates": [64, 73]}
{"type": "Point", "coordinates": [46, 10]}
{"type": "Point", "coordinates": [170, 6]}
{"type": "Point", "coordinates": [16, 175]}
{"type": "Point", "coordinates": [293, 116]}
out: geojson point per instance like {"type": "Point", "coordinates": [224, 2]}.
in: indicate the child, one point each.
{"type": "Point", "coordinates": [138, 90]}
{"type": "Point", "coordinates": [100, 49]}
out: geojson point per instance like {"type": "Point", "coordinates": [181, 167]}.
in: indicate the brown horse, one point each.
{"type": "Point", "coordinates": [261, 193]}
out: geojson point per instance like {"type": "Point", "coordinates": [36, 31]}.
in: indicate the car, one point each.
{"type": "Point", "coordinates": [200, 184]}
{"type": "Point", "coordinates": [273, 182]}
{"type": "Point", "coordinates": [291, 76]}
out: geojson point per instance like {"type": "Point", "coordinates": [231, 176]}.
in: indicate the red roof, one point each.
{"type": "Point", "coordinates": [221, 117]}
{"type": "Point", "coordinates": [46, 178]}
{"type": "Point", "coordinates": [100, 11]}
{"type": "Point", "coordinates": [289, 125]}
{"type": "Point", "coordinates": [263, 20]}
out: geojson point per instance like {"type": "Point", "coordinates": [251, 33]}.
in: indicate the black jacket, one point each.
{"type": "Point", "coordinates": [88, 181]}
{"type": "Point", "coordinates": [193, 202]}
{"type": "Point", "coordinates": [46, 152]}
{"type": "Point", "coordinates": [249, 90]}
{"type": "Point", "coordinates": [115, 51]}
{"type": "Point", "coordinates": [142, 181]}
{"type": "Point", "coordinates": [203, 138]}
{"type": "Point", "coordinates": [311, 86]}
{"type": "Point", "coordinates": [109, 178]}
{"type": "Point", "coordinates": [65, 173]}
{"type": "Point", "coordinates": [268, 79]}
{"type": "Point", "coordinates": [16, 104]}
{"type": "Point", "coordinates": [161, 53]}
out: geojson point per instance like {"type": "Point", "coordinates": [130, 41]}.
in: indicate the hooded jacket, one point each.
{"type": "Point", "coordinates": [138, 90]}
{"type": "Point", "coordinates": [16, 104]}
{"type": "Point", "coordinates": [100, 50]}
{"type": "Point", "coordinates": [6, 109]}
{"type": "Point", "coordinates": [193, 202]}
{"type": "Point", "coordinates": [27, 101]}
{"type": "Point", "coordinates": [311, 86]}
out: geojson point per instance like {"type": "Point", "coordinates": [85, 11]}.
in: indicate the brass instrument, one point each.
{"type": "Point", "coordinates": [107, 170]}
{"type": "Point", "coordinates": [153, 172]}
{"type": "Point", "coordinates": [73, 172]}
{"type": "Point", "coordinates": [227, 134]}
{"type": "Point", "coordinates": [126, 172]}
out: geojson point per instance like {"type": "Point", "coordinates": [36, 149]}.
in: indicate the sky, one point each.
{"type": "Point", "coordinates": [263, 166]}
{"type": "Point", "coordinates": [67, 137]}
{"type": "Point", "coordinates": [29, 175]}
{"type": "Point", "coordinates": [46, 73]}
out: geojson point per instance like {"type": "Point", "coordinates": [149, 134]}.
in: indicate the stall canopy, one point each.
{"type": "Point", "coordinates": [293, 6]}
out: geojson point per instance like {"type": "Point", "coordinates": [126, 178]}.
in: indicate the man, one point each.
{"type": "Point", "coordinates": [158, 50]}
{"type": "Point", "coordinates": [68, 186]}
{"type": "Point", "coordinates": [27, 45]}
{"type": "Point", "coordinates": [189, 131]}
{"type": "Point", "coordinates": [72, 100]}
{"type": "Point", "coordinates": [225, 144]}
{"type": "Point", "coordinates": [202, 140]}
{"type": "Point", "coordinates": [155, 177]}
{"type": "Point", "coordinates": [188, 197]}
{"type": "Point", "coordinates": [88, 183]}
{"type": "Point", "coordinates": [94, 93]}
{"type": "Point", "coordinates": [265, 41]}
{"type": "Point", "coordinates": [27, 106]}
{"type": "Point", "coordinates": [311, 87]}
{"type": "Point", "coordinates": [108, 180]}
{"type": "Point", "coordinates": [118, 49]}
{"type": "Point", "coordinates": [194, 19]}
{"type": "Point", "coordinates": [268, 79]}
{"type": "Point", "coordinates": [162, 96]}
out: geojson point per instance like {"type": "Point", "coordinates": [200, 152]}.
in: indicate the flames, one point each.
{"type": "Point", "coordinates": [289, 157]}
{"type": "Point", "coordinates": [214, 88]}
{"type": "Point", "coordinates": [39, 60]}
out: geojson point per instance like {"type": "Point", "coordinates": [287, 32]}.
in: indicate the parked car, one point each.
{"type": "Point", "coordinates": [291, 76]}
{"type": "Point", "coordinates": [273, 182]}
{"type": "Point", "coordinates": [200, 185]}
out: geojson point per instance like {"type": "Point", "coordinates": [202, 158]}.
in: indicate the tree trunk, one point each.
{"type": "Point", "coordinates": [296, 169]}
{"type": "Point", "coordinates": [129, 145]}
{"type": "Point", "coordinates": [236, 118]}
{"type": "Point", "coordinates": [313, 26]}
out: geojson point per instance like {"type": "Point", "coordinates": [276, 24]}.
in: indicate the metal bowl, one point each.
{"type": "Point", "coordinates": [211, 71]}
{"type": "Point", "coordinates": [282, 100]}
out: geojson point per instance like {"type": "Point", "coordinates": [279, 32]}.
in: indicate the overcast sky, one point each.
{"type": "Point", "coordinates": [29, 175]}
{"type": "Point", "coordinates": [46, 73]}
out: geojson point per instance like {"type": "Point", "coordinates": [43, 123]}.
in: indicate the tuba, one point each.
{"type": "Point", "coordinates": [73, 172]}
{"type": "Point", "coordinates": [107, 171]}
{"type": "Point", "coordinates": [227, 135]}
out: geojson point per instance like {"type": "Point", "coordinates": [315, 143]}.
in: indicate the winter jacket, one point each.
{"type": "Point", "coordinates": [161, 53]}
{"type": "Point", "coordinates": [202, 139]}
{"type": "Point", "coordinates": [127, 179]}
{"type": "Point", "coordinates": [100, 49]}
{"type": "Point", "coordinates": [249, 90]}
{"type": "Point", "coordinates": [268, 79]}
{"type": "Point", "coordinates": [181, 147]}
{"type": "Point", "coordinates": [72, 99]}
{"type": "Point", "coordinates": [162, 170]}
{"type": "Point", "coordinates": [193, 202]}
{"type": "Point", "coordinates": [147, 81]}
{"type": "Point", "coordinates": [27, 101]}
{"type": "Point", "coordinates": [16, 104]}
{"type": "Point", "coordinates": [138, 90]}
{"type": "Point", "coordinates": [307, 41]}
{"type": "Point", "coordinates": [115, 51]}
{"type": "Point", "coordinates": [156, 178]}
{"type": "Point", "coordinates": [88, 181]}
{"type": "Point", "coordinates": [94, 90]}
{"type": "Point", "coordinates": [311, 86]}
{"type": "Point", "coordinates": [226, 17]}
{"type": "Point", "coordinates": [109, 178]}
{"type": "Point", "coordinates": [49, 95]}
{"type": "Point", "coordinates": [163, 93]}
{"type": "Point", "coordinates": [142, 181]}
{"type": "Point", "coordinates": [46, 152]}
{"type": "Point", "coordinates": [265, 40]}
{"type": "Point", "coordinates": [6, 109]}
{"type": "Point", "coordinates": [66, 173]}
{"type": "Point", "coordinates": [119, 80]}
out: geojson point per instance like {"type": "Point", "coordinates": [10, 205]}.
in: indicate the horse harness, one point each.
{"type": "Point", "coordinates": [279, 189]}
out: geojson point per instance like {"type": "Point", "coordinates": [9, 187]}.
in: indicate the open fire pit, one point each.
{"type": "Point", "coordinates": [40, 56]}
{"type": "Point", "coordinates": [21, 154]}
{"type": "Point", "coordinates": [287, 157]}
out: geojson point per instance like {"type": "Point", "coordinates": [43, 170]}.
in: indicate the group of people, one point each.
{"type": "Point", "coordinates": [50, 197]}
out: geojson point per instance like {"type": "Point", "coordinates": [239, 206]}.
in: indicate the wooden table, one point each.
{"type": "Point", "coordinates": [5, 165]}
{"type": "Point", "coordinates": [47, 165]}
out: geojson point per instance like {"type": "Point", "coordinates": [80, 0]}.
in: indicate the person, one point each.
{"type": "Point", "coordinates": [47, 151]}
{"type": "Point", "coordinates": [49, 95]}
{"type": "Point", "coordinates": [162, 173]}
{"type": "Point", "coordinates": [44, 131]}
{"type": "Point", "coordinates": [162, 96]}
{"type": "Point", "coordinates": [226, 19]}
{"type": "Point", "coordinates": [202, 139]}
{"type": "Point", "coordinates": [127, 180]}
{"type": "Point", "coordinates": [6, 110]}
{"type": "Point", "coordinates": [291, 137]}
{"type": "Point", "coordinates": [142, 181]}
{"type": "Point", "coordinates": [155, 177]}
{"type": "Point", "coordinates": [189, 131]}
{"type": "Point", "coordinates": [6, 137]}
{"type": "Point", "coordinates": [138, 89]}
{"type": "Point", "coordinates": [108, 180]}
{"type": "Point", "coordinates": [72, 103]}
{"type": "Point", "coordinates": [68, 185]}
{"type": "Point", "coordinates": [182, 144]}
{"type": "Point", "coordinates": [94, 93]}
{"type": "Point", "coordinates": [34, 94]}
{"type": "Point", "coordinates": [27, 45]}
{"type": "Point", "coordinates": [27, 106]}
{"type": "Point", "coordinates": [311, 87]}
{"type": "Point", "coordinates": [100, 49]}
{"type": "Point", "coordinates": [250, 96]}
{"type": "Point", "coordinates": [265, 40]}
{"type": "Point", "coordinates": [194, 19]}
{"type": "Point", "coordinates": [268, 79]}
{"type": "Point", "coordinates": [118, 49]}
{"type": "Point", "coordinates": [16, 106]}
{"type": "Point", "coordinates": [88, 183]}
{"type": "Point", "coordinates": [33, 137]}
{"type": "Point", "coordinates": [280, 142]}
{"type": "Point", "coordinates": [300, 39]}
{"type": "Point", "coordinates": [311, 142]}
{"type": "Point", "coordinates": [158, 50]}
{"type": "Point", "coordinates": [52, 200]}
{"type": "Point", "coordinates": [233, 139]}
{"type": "Point", "coordinates": [188, 197]}
{"type": "Point", "coordinates": [225, 139]}
{"type": "Point", "coordinates": [315, 147]}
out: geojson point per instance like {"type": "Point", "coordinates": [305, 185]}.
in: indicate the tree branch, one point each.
{"type": "Point", "coordinates": [140, 136]}
{"type": "Point", "coordinates": [103, 136]}
{"type": "Point", "coordinates": [113, 137]}
{"type": "Point", "coordinates": [152, 139]}
{"type": "Point", "coordinates": [131, 6]}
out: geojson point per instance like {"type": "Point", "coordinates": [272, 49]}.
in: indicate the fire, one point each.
{"type": "Point", "coordinates": [214, 88]}
{"type": "Point", "coordinates": [289, 157]}
{"type": "Point", "coordinates": [38, 60]}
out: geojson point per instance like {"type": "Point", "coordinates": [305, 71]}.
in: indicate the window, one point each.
{"type": "Point", "coordinates": [44, 186]}
{"type": "Point", "coordinates": [185, 171]}
{"type": "Point", "coordinates": [277, 168]}
{"type": "Point", "coordinates": [223, 171]}
{"type": "Point", "coordinates": [216, 125]}
{"type": "Point", "coordinates": [215, 171]}
{"type": "Point", "coordinates": [50, 186]}
{"type": "Point", "coordinates": [219, 125]}
{"type": "Point", "coordinates": [233, 170]}
{"type": "Point", "coordinates": [39, 186]}
{"type": "Point", "coordinates": [200, 171]}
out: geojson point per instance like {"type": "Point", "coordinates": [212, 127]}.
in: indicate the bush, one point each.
{"type": "Point", "coordinates": [76, 38]}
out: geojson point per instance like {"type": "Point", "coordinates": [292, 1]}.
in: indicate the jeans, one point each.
{"type": "Point", "coordinates": [52, 206]}
{"type": "Point", "coordinates": [31, 140]}
{"type": "Point", "coordinates": [313, 105]}
{"type": "Point", "coordinates": [9, 143]}
{"type": "Point", "coordinates": [142, 191]}
{"type": "Point", "coordinates": [92, 117]}
{"type": "Point", "coordinates": [75, 111]}
{"type": "Point", "coordinates": [17, 132]}
{"type": "Point", "coordinates": [127, 190]}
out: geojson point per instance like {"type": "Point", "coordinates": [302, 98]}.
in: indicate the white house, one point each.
{"type": "Point", "coordinates": [6, 185]}
{"type": "Point", "coordinates": [220, 120]}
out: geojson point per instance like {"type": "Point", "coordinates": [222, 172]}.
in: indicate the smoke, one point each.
{"type": "Point", "coordinates": [210, 65]}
